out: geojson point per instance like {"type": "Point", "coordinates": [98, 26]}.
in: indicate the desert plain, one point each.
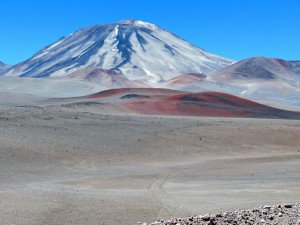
{"type": "Point", "coordinates": [87, 164]}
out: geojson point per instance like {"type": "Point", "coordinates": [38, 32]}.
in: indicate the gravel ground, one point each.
{"type": "Point", "coordinates": [284, 214]}
{"type": "Point", "coordinates": [74, 165]}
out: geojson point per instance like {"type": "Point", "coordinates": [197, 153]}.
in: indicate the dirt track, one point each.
{"type": "Point", "coordinates": [65, 166]}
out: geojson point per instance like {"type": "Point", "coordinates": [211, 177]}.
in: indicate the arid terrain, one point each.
{"type": "Point", "coordinates": [124, 122]}
{"type": "Point", "coordinates": [80, 164]}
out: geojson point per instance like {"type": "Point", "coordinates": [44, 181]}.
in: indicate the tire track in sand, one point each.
{"type": "Point", "coordinates": [162, 201]}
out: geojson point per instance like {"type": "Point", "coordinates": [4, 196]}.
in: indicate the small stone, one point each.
{"type": "Point", "coordinates": [213, 222]}
{"type": "Point", "coordinates": [270, 217]}
{"type": "Point", "coordinates": [267, 207]}
{"type": "Point", "coordinates": [224, 214]}
{"type": "Point", "coordinates": [206, 217]}
{"type": "Point", "coordinates": [262, 221]}
{"type": "Point", "coordinates": [251, 219]}
{"type": "Point", "coordinates": [288, 206]}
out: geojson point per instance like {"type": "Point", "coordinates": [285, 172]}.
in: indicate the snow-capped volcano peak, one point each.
{"type": "Point", "coordinates": [138, 50]}
{"type": "Point", "coordinates": [138, 23]}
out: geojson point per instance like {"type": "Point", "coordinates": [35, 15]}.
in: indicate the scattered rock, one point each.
{"type": "Point", "coordinates": [270, 217]}
{"type": "Point", "coordinates": [285, 214]}
{"type": "Point", "coordinates": [288, 206]}
{"type": "Point", "coordinates": [205, 217]}
{"type": "Point", "coordinates": [267, 207]}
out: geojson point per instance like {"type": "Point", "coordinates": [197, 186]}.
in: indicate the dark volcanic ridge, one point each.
{"type": "Point", "coordinates": [156, 101]}
{"type": "Point", "coordinates": [285, 214]}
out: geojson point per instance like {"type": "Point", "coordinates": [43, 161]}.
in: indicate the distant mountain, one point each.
{"type": "Point", "coordinates": [185, 79]}
{"type": "Point", "coordinates": [260, 68]}
{"type": "Point", "coordinates": [192, 82]}
{"type": "Point", "coordinates": [3, 67]}
{"type": "Point", "coordinates": [133, 54]}
{"type": "Point", "coordinates": [105, 78]}
{"type": "Point", "coordinates": [253, 75]}
{"type": "Point", "coordinates": [270, 81]}
{"type": "Point", "coordinates": [138, 50]}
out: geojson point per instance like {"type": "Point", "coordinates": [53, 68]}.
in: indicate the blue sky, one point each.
{"type": "Point", "coordinates": [236, 29]}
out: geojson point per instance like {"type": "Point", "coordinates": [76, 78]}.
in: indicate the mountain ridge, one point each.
{"type": "Point", "coordinates": [261, 68]}
{"type": "Point", "coordinates": [3, 66]}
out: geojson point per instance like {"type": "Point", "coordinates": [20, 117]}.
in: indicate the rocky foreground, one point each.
{"type": "Point", "coordinates": [285, 214]}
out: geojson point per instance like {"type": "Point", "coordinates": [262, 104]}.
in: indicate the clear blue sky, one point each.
{"type": "Point", "coordinates": [236, 29]}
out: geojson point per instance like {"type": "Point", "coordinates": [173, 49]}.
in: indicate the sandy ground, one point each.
{"type": "Point", "coordinates": [66, 166]}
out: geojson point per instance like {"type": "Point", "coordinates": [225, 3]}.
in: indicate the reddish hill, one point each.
{"type": "Point", "coordinates": [154, 101]}
{"type": "Point", "coordinates": [143, 91]}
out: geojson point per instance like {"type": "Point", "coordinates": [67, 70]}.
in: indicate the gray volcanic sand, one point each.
{"type": "Point", "coordinates": [66, 166]}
